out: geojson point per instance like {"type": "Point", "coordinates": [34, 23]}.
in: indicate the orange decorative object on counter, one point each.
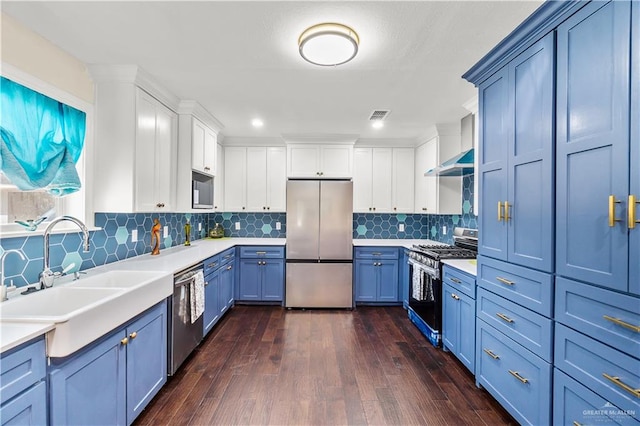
{"type": "Point", "coordinates": [155, 237]}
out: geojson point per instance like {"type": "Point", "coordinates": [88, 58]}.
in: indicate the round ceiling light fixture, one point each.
{"type": "Point", "coordinates": [328, 44]}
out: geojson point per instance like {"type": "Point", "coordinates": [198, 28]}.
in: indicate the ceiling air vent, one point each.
{"type": "Point", "coordinates": [379, 114]}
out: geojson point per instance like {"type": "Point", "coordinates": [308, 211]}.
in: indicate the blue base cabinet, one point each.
{"type": "Point", "coordinates": [219, 281]}
{"type": "Point", "coordinates": [261, 275]}
{"type": "Point", "coordinates": [459, 315]}
{"type": "Point", "coordinates": [376, 275]}
{"type": "Point", "coordinates": [111, 381]}
{"type": "Point", "coordinates": [23, 398]}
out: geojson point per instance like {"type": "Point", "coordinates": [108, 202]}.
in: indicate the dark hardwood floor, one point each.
{"type": "Point", "coordinates": [266, 365]}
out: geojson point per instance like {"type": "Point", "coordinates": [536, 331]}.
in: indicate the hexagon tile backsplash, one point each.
{"type": "Point", "coordinates": [113, 241]}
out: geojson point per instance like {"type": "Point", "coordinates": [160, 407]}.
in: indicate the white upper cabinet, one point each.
{"type": "Point", "coordinates": [218, 181]}
{"type": "Point", "coordinates": [319, 161]}
{"type": "Point", "coordinates": [383, 180]}
{"type": "Point", "coordinates": [203, 148]}
{"type": "Point", "coordinates": [255, 179]}
{"type": "Point", "coordinates": [136, 142]}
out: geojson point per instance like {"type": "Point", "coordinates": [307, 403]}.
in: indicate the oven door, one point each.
{"type": "Point", "coordinates": [425, 294]}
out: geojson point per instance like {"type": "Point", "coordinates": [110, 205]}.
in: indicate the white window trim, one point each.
{"type": "Point", "coordinates": [80, 204]}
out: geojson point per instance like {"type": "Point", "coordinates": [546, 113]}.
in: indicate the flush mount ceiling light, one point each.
{"type": "Point", "coordinates": [328, 44]}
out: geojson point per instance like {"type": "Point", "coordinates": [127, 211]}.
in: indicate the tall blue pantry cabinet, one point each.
{"type": "Point", "coordinates": [558, 304]}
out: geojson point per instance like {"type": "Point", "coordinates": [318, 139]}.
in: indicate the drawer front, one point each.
{"type": "Point", "coordinates": [376, 252]}
{"type": "Point", "coordinates": [21, 367]}
{"type": "Point", "coordinates": [30, 408]}
{"type": "Point", "coordinates": [573, 404]}
{"type": "Point", "coordinates": [531, 330]}
{"type": "Point", "coordinates": [612, 374]}
{"type": "Point", "coordinates": [519, 380]}
{"type": "Point", "coordinates": [276, 252]}
{"type": "Point", "coordinates": [527, 287]}
{"type": "Point", "coordinates": [211, 264]}
{"type": "Point", "coordinates": [459, 280]}
{"type": "Point", "coordinates": [227, 256]}
{"type": "Point", "coordinates": [605, 315]}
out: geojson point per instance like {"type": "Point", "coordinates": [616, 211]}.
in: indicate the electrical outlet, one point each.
{"type": "Point", "coordinates": [278, 226]}
{"type": "Point", "coordinates": [134, 235]}
{"type": "Point", "coordinates": [237, 226]}
{"type": "Point", "coordinates": [199, 226]}
{"type": "Point", "coordinates": [166, 232]}
{"type": "Point", "coordinates": [401, 227]}
{"type": "Point", "coordinates": [444, 229]}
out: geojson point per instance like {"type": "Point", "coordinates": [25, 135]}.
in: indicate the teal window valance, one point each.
{"type": "Point", "coordinates": [41, 140]}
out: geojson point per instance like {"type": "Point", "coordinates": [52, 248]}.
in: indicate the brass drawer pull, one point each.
{"type": "Point", "coordinates": [455, 280]}
{"type": "Point", "coordinates": [616, 381]}
{"type": "Point", "coordinates": [500, 216]}
{"type": "Point", "coordinates": [491, 354]}
{"type": "Point", "coordinates": [518, 376]}
{"type": "Point", "coordinates": [504, 317]}
{"type": "Point", "coordinates": [621, 323]}
{"type": "Point", "coordinates": [505, 281]}
{"type": "Point", "coordinates": [455, 296]}
{"type": "Point", "coordinates": [612, 210]}
{"type": "Point", "coordinates": [506, 211]}
{"type": "Point", "coordinates": [631, 222]}
{"type": "Point", "coordinates": [124, 341]}
{"type": "Point", "coordinates": [133, 335]}
{"type": "Point", "coordinates": [576, 423]}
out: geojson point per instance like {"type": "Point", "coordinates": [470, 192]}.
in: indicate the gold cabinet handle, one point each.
{"type": "Point", "coordinates": [504, 317]}
{"type": "Point", "coordinates": [133, 335]}
{"type": "Point", "coordinates": [500, 216]}
{"type": "Point", "coordinates": [576, 423]}
{"type": "Point", "coordinates": [455, 280]}
{"type": "Point", "coordinates": [612, 210]}
{"type": "Point", "coordinates": [505, 281]}
{"type": "Point", "coordinates": [616, 381]}
{"type": "Point", "coordinates": [631, 220]}
{"type": "Point", "coordinates": [124, 341]}
{"type": "Point", "coordinates": [506, 211]}
{"type": "Point", "coordinates": [621, 323]}
{"type": "Point", "coordinates": [455, 296]}
{"type": "Point", "coordinates": [518, 376]}
{"type": "Point", "coordinates": [491, 354]}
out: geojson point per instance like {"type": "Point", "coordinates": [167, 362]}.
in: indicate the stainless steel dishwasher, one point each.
{"type": "Point", "coordinates": [185, 335]}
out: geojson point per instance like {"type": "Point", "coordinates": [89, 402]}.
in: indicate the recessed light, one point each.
{"type": "Point", "coordinates": [377, 124]}
{"type": "Point", "coordinates": [256, 122]}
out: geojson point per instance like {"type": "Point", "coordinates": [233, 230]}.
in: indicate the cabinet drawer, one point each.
{"type": "Point", "coordinates": [30, 408]}
{"type": "Point", "coordinates": [612, 374]}
{"type": "Point", "coordinates": [459, 280]}
{"type": "Point", "coordinates": [605, 315]}
{"type": "Point", "coordinates": [518, 380]}
{"type": "Point", "coordinates": [21, 367]}
{"type": "Point", "coordinates": [573, 404]}
{"type": "Point", "coordinates": [227, 256]}
{"type": "Point", "coordinates": [376, 252]}
{"type": "Point", "coordinates": [211, 264]}
{"type": "Point", "coordinates": [531, 330]}
{"type": "Point", "coordinates": [262, 251]}
{"type": "Point", "coordinates": [527, 287]}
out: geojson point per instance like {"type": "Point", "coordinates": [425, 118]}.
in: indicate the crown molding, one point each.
{"type": "Point", "coordinates": [195, 109]}
{"type": "Point", "coordinates": [321, 138]}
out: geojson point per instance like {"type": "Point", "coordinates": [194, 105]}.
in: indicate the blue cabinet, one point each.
{"type": "Point", "coordinates": [112, 380]}
{"type": "Point", "coordinates": [23, 384]}
{"type": "Point", "coordinates": [458, 325]}
{"type": "Point", "coordinates": [634, 155]}
{"type": "Point", "coordinates": [261, 274]}
{"type": "Point", "coordinates": [593, 145]}
{"type": "Point", "coordinates": [515, 160]}
{"type": "Point", "coordinates": [226, 283]}
{"type": "Point", "coordinates": [376, 275]}
{"type": "Point", "coordinates": [219, 282]}
{"type": "Point", "coordinates": [211, 312]}
{"type": "Point", "coordinates": [404, 278]}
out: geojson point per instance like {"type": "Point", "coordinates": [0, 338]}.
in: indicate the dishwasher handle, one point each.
{"type": "Point", "coordinates": [186, 278]}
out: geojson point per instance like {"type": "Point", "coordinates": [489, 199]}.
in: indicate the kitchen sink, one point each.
{"type": "Point", "coordinates": [86, 309]}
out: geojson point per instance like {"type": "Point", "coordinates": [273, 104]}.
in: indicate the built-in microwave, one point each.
{"type": "Point", "coordinates": [202, 191]}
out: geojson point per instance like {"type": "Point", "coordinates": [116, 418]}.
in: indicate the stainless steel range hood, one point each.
{"type": "Point", "coordinates": [461, 164]}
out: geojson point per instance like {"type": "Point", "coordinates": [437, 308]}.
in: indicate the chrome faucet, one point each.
{"type": "Point", "coordinates": [47, 276]}
{"type": "Point", "coordinates": [2, 258]}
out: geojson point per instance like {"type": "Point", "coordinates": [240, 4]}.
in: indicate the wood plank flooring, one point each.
{"type": "Point", "coordinates": [265, 365]}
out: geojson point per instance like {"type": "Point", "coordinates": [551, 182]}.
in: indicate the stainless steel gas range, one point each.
{"type": "Point", "coordinates": [425, 279]}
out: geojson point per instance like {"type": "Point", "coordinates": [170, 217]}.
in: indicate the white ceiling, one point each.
{"type": "Point", "coordinates": [239, 59]}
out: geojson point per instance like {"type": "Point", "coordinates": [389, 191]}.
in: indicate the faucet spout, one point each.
{"type": "Point", "coordinates": [47, 276]}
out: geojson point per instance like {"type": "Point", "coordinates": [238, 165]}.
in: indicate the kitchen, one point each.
{"type": "Point", "coordinates": [116, 197]}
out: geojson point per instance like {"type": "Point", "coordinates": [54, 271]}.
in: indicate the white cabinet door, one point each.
{"type": "Point", "coordinates": [256, 187]}
{"type": "Point", "coordinates": [235, 179]}
{"type": "Point", "coordinates": [276, 179]}
{"type": "Point", "coordinates": [156, 145]}
{"type": "Point", "coordinates": [336, 161]}
{"type": "Point", "coordinates": [431, 182]}
{"type": "Point", "coordinates": [382, 164]}
{"type": "Point", "coordinates": [303, 161]}
{"type": "Point", "coordinates": [420, 190]}
{"type": "Point", "coordinates": [403, 180]}
{"type": "Point", "coordinates": [197, 146]}
{"type": "Point", "coordinates": [362, 185]}
{"type": "Point", "coordinates": [218, 181]}
{"type": "Point", "coordinates": [210, 151]}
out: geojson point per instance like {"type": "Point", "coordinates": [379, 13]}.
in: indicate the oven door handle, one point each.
{"type": "Point", "coordinates": [429, 271]}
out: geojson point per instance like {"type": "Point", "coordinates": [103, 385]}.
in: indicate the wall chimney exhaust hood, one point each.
{"type": "Point", "coordinates": [461, 164]}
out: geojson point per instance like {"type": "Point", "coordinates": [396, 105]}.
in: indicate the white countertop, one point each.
{"type": "Point", "coordinates": [17, 333]}
{"type": "Point", "coordinates": [470, 266]}
{"type": "Point", "coordinates": [390, 243]}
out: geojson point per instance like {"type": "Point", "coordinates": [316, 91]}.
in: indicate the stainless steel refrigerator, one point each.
{"type": "Point", "coordinates": [319, 244]}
